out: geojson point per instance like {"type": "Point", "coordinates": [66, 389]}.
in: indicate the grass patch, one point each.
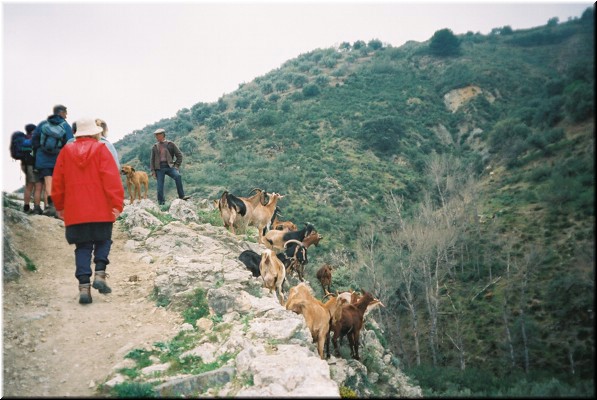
{"type": "Point", "coordinates": [210, 217]}
{"type": "Point", "coordinates": [194, 365]}
{"type": "Point", "coordinates": [164, 217]}
{"type": "Point", "coordinates": [29, 265]}
{"type": "Point", "coordinates": [198, 307]}
{"type": "Point", "coordinates": [131, 373]}
{"type": "Point", "coordinates": [160, 299]}
{"type": "Point", "coordinates": [141, 357]}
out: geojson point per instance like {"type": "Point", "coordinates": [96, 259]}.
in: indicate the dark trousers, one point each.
{"type": "Point", "coordinates": [83, 252]}
{"type": "Point", "coordinates": [173, 173]}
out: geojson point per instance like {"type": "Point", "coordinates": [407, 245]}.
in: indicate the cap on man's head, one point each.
{"type": "Point", "coordinates": [29, 128]}
{"type": "Point", "coordinates": [59, 108]}
{"type": "Point", "coordinates": [159, 131]}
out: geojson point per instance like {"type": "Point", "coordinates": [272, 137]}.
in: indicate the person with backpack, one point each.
{"type": "Point", "coordinates": [49, 138]}
{"type": "Point", "coordinates": [21, 149]}
{"type": "Point", "coordinates": [33, 183]}
{"type": "Point", "coordinates": [88, 195]}
{"type": "Point", "coordinates": [166, 159]}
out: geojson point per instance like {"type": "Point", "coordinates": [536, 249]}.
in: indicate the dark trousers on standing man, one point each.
{"type": "Point", "coordinates": [173, 173]}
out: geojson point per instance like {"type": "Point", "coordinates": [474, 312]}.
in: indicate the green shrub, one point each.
{"type": "Point", "coordinates": [198, 307]}
{"type": "Point", "coordinates": [311, 90]}
{"type": "Point", "coordinates": [540, 173]}
{"type": "Point", "coordinates": [281, 86]}
{"type": "Point", "coordinates": [549, 388]}
{"type": "Point", "coordinates": [133, 390]}
{"type": "Point", "coordinates": [140, 356]}
{"type": "Point", "coordinates": [299, 81]}
{"type": "Point", "coordinates": [554, 135]}
{"type": "Point", "coordinates": [241, 132]}
{"type": "Point", "coordinates": [538, 141]}
{"type": "Point", "coordinates": [444, 43]}
{"type": "Point", "coordinates": [506, 132]}
{"type": "Point", "coordinates": [548, 113]}
{"type": "Point", "coordinates": [347, 393]}
{"type": "Point", "coordinates": [579, 101]}
{"type": "Point", "coordinates": [160, 299]}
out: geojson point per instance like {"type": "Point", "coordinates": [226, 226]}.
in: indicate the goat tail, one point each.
{"type": "Point", "coordinates": [236, 203]}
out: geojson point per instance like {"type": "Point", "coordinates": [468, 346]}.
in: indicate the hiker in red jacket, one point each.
{"type": "Point", "coordinates": [88, 195]}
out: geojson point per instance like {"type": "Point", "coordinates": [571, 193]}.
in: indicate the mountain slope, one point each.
{"type": "Point", "coordinates": [486, 155]}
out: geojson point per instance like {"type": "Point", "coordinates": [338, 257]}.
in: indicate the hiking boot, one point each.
{"type": "Point", "coordinates": [37, 210]}
{"type": "Point", "coordinates": [185, 198]}
{"type": "Point", "coordinates": [50, 211]}
{"type": "Point", "coordinates": [27, 209]}
{"type": "Point", "coordinates": [99, 282]}
{"type": "Point", "coordinates": [85, 293]}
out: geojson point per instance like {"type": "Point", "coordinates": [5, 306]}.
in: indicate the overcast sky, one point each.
{"type": "Point", "coordinates": [133, 64]}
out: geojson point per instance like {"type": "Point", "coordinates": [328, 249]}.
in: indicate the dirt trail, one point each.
{"type": "Point", "coordinates": [54, 346]}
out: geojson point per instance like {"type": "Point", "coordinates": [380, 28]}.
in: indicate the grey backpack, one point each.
{"type": "Point", "coordinates": [53, 137]}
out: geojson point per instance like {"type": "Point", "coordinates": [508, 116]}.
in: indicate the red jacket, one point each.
{"type": "Point", "coordinates": [86, 183]}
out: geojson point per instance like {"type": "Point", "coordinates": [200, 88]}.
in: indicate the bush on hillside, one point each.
{"type": "Point", "coordinates": [444, 43]}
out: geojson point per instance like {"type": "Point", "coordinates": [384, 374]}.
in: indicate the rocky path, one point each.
{"type": "Point", "coordinates": [54, 346]}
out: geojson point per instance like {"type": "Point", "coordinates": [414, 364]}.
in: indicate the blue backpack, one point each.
{"type": "Point", "coordinates": [53, 137]}
{"type": "Point", "coordinates": [21, 147]}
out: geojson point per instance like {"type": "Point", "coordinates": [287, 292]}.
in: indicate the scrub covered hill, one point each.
{"type": "Point", "coordinates": [454, 177]}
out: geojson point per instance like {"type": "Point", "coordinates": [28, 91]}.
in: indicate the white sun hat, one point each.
{"type": "Point", "coordinates": [87, 127]}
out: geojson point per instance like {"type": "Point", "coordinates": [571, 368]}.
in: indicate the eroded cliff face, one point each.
{"type": "Point", "coordinates": [456, 98]}
{"type": "Point", "coordinates": [254, 346]}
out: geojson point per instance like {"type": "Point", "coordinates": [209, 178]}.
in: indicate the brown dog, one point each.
{"type": "Point", "coordinates": [136, 178]}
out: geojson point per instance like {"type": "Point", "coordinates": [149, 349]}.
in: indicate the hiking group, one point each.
{"type": "Point", "coordinates": [78, 171]}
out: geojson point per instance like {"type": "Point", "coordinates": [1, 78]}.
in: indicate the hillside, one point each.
{"type": "Point", "coordinates": [456, 181]}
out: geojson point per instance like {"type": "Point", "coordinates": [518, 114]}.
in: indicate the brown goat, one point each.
{"type": "Point", "coordinates": [334, 306]}
{"type": "Point", "coordinates": [317, 317]}
{"type": "Point", "coordinates": [355, 297]}
{"type": "Point", "coordinates": [324, 276]}
{"type": "Point", "coordinates": [350, 324]}
{"type": "Point", "coordinates": [236, 209]}
{"type": "Point", "coordinates": [312, 238]}
{"type": "Point", "coordinates": [262, 214]}
{"type": "Point", "coordinates": [273, 273]}
{"type": "Point", "coordinates": [280, 225]}
{"type": "Point", "coordinates": [277, 240]}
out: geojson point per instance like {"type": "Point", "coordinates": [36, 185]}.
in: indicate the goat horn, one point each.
{"type": "Point", "coordinates": [293, 241]}
{"type": "Point", "coordinates": [255, 189]}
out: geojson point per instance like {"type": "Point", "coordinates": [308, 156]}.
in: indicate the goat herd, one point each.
{"type": "Point", "coordinates": [286, 252]}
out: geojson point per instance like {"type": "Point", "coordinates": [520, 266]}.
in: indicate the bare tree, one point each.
{"type": "Point", "coordinates": [458, 341]}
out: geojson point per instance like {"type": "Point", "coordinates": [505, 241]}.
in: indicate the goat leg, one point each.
{"type": "Point", "coordinates": [327, 343]}
{"type": "Point", "coordinates": [300, 270]}
{"type": "Point", "coordinates": [351, 345]}
{"type": "Point", "coordinates": [335, 342]}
